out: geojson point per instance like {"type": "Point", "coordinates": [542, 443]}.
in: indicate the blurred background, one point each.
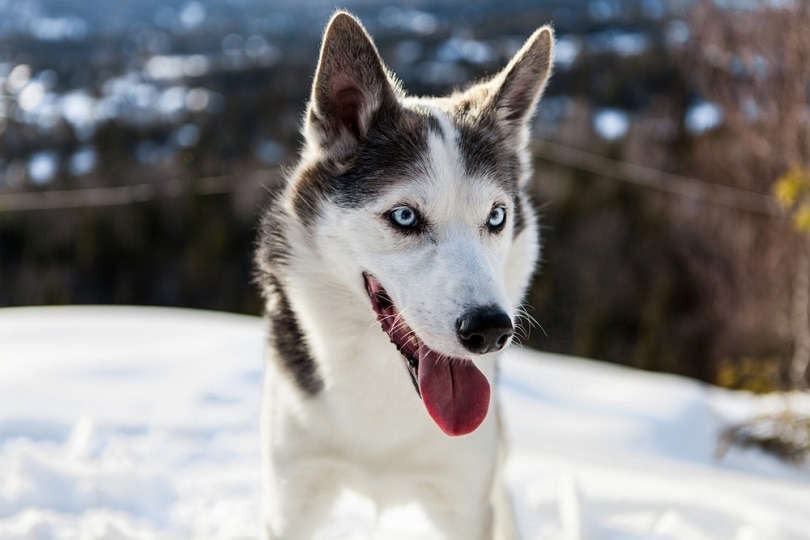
{"type": "Point", "coordinates": [138, 139]}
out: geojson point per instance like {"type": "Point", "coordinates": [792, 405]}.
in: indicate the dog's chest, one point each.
{"type": "Point", "coordinates": [369, 395]}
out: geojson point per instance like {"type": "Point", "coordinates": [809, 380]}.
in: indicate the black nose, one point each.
{"type": "Point", "coordinates": [484, 329]}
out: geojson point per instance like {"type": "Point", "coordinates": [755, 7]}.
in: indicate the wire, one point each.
{"type": "Point", "coordinates": [116, 196]}
{"type": "Point", "coordinates": [79, 198]}
{"type": "Point", "coordinates": [567, 156]}
{"type": "Point", "coordinates": [647, 177]}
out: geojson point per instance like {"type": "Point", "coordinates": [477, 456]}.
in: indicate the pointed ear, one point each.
{"type": "Point", "coordinates": [512, 94]}
{"type": "Point", "coordinates": [351, 84]}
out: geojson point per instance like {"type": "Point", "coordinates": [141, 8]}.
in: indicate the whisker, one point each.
{"type": "Point", "coordinates": [524, 315]}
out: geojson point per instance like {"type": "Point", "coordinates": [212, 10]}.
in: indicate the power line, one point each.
{"type": "Point", "coordinates": [117, 196]}
{"type": "Point", "coordinates": [78, 198]}
{"type": "Point", "coordinates": [647, 177]}
{"type": "Point", "coordinates": [567, 156]}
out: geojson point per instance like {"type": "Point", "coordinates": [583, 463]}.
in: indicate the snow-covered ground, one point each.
{"type": "Point", "coordinates": [124, 423]}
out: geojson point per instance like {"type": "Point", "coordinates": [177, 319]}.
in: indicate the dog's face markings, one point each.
{"type": "Point", "coordinates": [428, 195]}
{"type": "Point", "coordinates": [391, 149]}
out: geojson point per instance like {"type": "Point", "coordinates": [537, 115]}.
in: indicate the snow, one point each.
{"type": "Point", "coordinates": [43, 166]}
{"type": "Point", "coordinates": [141, 423]}
{"type": "Point", "coordinates": [703, 116]}
{"type": "Point", "coordinates": [566, 51]}
{"type": "Point", "coordinates": [611, 124]}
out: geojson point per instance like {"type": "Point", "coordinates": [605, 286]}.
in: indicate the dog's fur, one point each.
{"type": "Point", "coordinates": [340, 408]}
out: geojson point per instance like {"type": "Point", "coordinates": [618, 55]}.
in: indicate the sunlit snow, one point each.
{"type": "Point", "coordinates": [142, 423]}
{"type": "Point", "coordinates": [611, 124]}
{"type": "Point", "coordinates": [703, 116]}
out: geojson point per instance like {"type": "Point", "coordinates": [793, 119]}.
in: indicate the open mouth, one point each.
{"type": "Point", "coordinates": [455, 392]}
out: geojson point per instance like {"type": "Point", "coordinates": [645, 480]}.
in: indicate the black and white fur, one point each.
{"type": "Point", "coordinates": [339, 407]}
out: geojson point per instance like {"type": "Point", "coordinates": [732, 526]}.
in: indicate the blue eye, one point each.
{"type": "Point", "coordinates": [404, 217]}
{"type": "Point", "coordinates": [497, 218]}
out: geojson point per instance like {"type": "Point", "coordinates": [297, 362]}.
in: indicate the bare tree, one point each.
{"type": "Point", "coordinates": [753, 60]}
{"type": "Point", "coordinates": [755, 63]}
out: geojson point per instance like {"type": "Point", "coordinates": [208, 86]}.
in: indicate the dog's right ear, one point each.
{"type": "Point", "coordinates": [351, 85]}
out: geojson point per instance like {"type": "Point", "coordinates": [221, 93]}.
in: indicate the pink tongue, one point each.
{"type": "Point", "coordinates": [455, 392]}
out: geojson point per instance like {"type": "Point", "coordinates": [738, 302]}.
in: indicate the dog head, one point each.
{"type": "Point", "coordinates": [419, 204]}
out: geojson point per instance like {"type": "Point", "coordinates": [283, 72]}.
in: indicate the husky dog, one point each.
{"type": "Point", "coordinates": [393, 264]}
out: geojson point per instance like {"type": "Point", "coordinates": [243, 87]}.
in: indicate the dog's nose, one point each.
{"type": "Point", "coordinates": [484, 329]}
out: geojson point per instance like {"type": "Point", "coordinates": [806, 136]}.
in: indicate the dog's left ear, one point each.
{"type": "Point", "coordinates": [512, 94]}
{"type": "Point", "coordinates": [351, 85]}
